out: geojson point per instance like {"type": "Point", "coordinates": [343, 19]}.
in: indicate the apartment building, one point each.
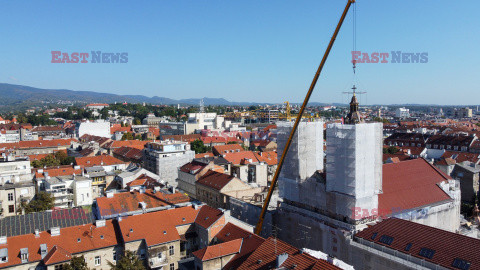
{"type": "Point", "coordinates": [166, 157]}
{"type": "Point", "coordinates": [216, 188]}
{"type": "Point", "coordinates": [16, 185]}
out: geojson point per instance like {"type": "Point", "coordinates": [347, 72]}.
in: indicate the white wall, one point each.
{"type": "Point", "coordinates": [101, 129]}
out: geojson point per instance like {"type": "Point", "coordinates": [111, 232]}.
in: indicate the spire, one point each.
{"type": "Point", "coordinates": [353, 116]}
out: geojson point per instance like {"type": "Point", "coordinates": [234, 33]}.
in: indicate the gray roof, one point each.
{"type": "Point", "coordinates": [43, 221]}
{"type": "Point", "coordinates": [469, 166]}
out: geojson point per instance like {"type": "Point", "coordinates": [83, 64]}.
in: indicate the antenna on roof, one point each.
{"type": "Point", "coordinates": [202, 106]}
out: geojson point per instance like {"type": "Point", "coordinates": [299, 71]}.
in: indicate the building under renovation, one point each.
{"type": "Point", "coordinates": [323, 208]}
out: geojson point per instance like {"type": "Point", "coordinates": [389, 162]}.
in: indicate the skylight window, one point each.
{"type": "Point", "coordinates": [373, 236]}
{"type": "Point", "coordinates": [461, 264]}
{"type": "Point", "coordinates": [427, 253]}
{"type": "Point", "coordinates": [408, 247]}
{"type": "Point", "coordinates": [385, 239]}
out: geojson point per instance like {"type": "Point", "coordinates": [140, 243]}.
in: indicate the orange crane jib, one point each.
{"type": "Point", "coordinates": [258, 228]}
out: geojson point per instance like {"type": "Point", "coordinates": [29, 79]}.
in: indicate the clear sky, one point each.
{"type": "Point", "coordinates": [246, 50]}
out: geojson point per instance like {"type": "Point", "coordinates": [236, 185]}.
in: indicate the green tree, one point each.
{"type": "Point", "coordinates": [50, 161]}
{"type": "Point", "coordinates": [36, 163]}
{"type": "Point", "coordinates": [76, 263]}
{"type": "Point", "coordinates": [127, 136]}
{"type": "Point", "coordinates": [137, 121]}
{"type": "Point", "coordinates": [43, 201]}
{"type": "Point", "coordinates": [199, 147]}
{"type": "Point", "coordinates": [390, 150]}
{"type": "Point", "coordinates": [129, 261]}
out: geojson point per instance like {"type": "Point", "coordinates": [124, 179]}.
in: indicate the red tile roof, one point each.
{"type": "Point", "coordinates": [219, 250]}
{"type": "Point", "coordinates": [57, 171]}
{"type": "Point", "coordinates": [462, 156]}
{"type": "Point", "coordinates": [239, 157]}
{"type": "Point", "coordinates": [410, 184]}
{"type": "Point", "coordinates": [183, 138]}
{"type": "Point", "coordinates": [269, 157]}
{"type": "Point", "coordinates": [227, 148]}
{"type": "Point", "coordinates": [250, 243]}
{"type": "Point", "coordinates": [145, 181]}
{"type": "Point", "coordinates": [129, 153]}
{"type": "Point", "coordinates": [202, 155]}
{"type": "Point", "coordinates": [447, 245]}
{"type": "Point", "coordinates": [130, 143]}
{"type": "Point", "coordinates": [67, 242]}
{"type": "Point", "coordinates": [97, 104]}
{"type": "Point", "coordinates": [215, 180]}
{"type": "Point", "coordinates": [118, 128]}
{"type": "Point", "coordinates": [193, 167]}
{"type": "Point", "coordinates": [264, 257]}
{"type": "Point", "coordinates": [156, 227]}
{"type": "Point", "coordinates": [103, 160]}
{"type": "Point", "coordinates": [125, 202]}
{"type": "Point", "coordinates": [48, 128]}
{"type": "Point", "coordinates": [57, 255]}
{"type": "Point", "coordinates": [37, 144]}
{"type": "Point", "coordinates": [208, 216]}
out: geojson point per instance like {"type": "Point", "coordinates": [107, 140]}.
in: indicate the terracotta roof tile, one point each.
{"type": "Point", "coordinates": [250, 243]}
{"type": "Point", "coordinates": [447, 245]}
{"type": "Point", "coordinates": [57, 171]}
{"type": "Point", "coordinates": [156, 227]}
{"type": "Point", "coordinates": [264, 257]}
{"type": "Point", "coordinates": [125, 202]}
{"type": "Point", "coordinates": [37, 144]}
{"type": "Point", "coordinates": [57, 255]}
{"type": "Point", "coordinates": [72, 240]}
{"type": "Point", "coordinates": [410, 184]}
{"type": "Point", "coordinates": [208, 216]}
{"type": "Point", "coordinates": [103, 160]}
{"type": "Point", "coordinates": [219, 250]}
{"type": "Point", "coordinates": [215, 180]}
{"type": "Point", "coordinates": [238, 157]}
{"type": "Point", "coordinates": [227, 148]}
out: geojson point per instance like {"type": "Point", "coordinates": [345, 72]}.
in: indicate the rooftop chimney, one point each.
{"type": "Point", "coordinates": [55, 231]}
{"type": "Point", "coordinates": [281, 259]}
{"type": "Point", "coordinates": [100, 223]}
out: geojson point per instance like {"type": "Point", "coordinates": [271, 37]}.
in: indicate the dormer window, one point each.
{"type": "Point", "coordinates": [24, 255]}
{"type": "Point", "coordinates": [3, 255]}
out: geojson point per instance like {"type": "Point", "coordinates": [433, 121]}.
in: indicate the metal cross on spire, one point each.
{"type": "Point", "coordinates": [354, 91]}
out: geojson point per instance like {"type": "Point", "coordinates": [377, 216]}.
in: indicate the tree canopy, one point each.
{"type": "Point", "coordinates": [129, 261]}
{"type": "Point", "coordinates": [76, 263]}
{"type": "Point", "coordinates": [199, 147]}
{"type": "Point", "coordinates": [43, 201]}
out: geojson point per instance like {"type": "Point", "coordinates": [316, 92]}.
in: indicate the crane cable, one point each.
{"type": "Point", "coordinates": [354, 38]}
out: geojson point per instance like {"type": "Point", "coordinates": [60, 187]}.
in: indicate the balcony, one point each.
{"type": "Point", "coordinates": [157, 262]}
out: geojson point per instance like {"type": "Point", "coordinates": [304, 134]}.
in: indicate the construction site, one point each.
{"type": "Point", "coordinates": [327, 197]}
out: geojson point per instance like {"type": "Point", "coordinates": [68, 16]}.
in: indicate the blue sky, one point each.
{"type": "Point", "coordinates": [245, 50]}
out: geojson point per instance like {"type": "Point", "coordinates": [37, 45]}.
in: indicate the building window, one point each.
{"type": "Point", "coordinates": [10, 197]}
{"type": "Point", "coordinates": [171, 250]}
{"type": "Point", "coordinates": [114, 255]}
{"type": "Point", "coordinates": [98, 260]}
{"type": "Point", "coordinates": [11, 208]}
{"type": "Point", "coordinates": [172, 266]}
{"type": "Point", "coordinates": [59, 267]}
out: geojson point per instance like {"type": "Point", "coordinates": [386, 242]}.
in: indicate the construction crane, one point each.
{"type": "Point", "coordinates": [258, 228]}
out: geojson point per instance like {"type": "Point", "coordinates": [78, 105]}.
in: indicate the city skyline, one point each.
{"type": "Point", "coordinates": [244, 51]}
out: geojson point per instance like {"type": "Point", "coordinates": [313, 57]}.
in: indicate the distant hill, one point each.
{"type": "Point", "coordinates": [22, 96]}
